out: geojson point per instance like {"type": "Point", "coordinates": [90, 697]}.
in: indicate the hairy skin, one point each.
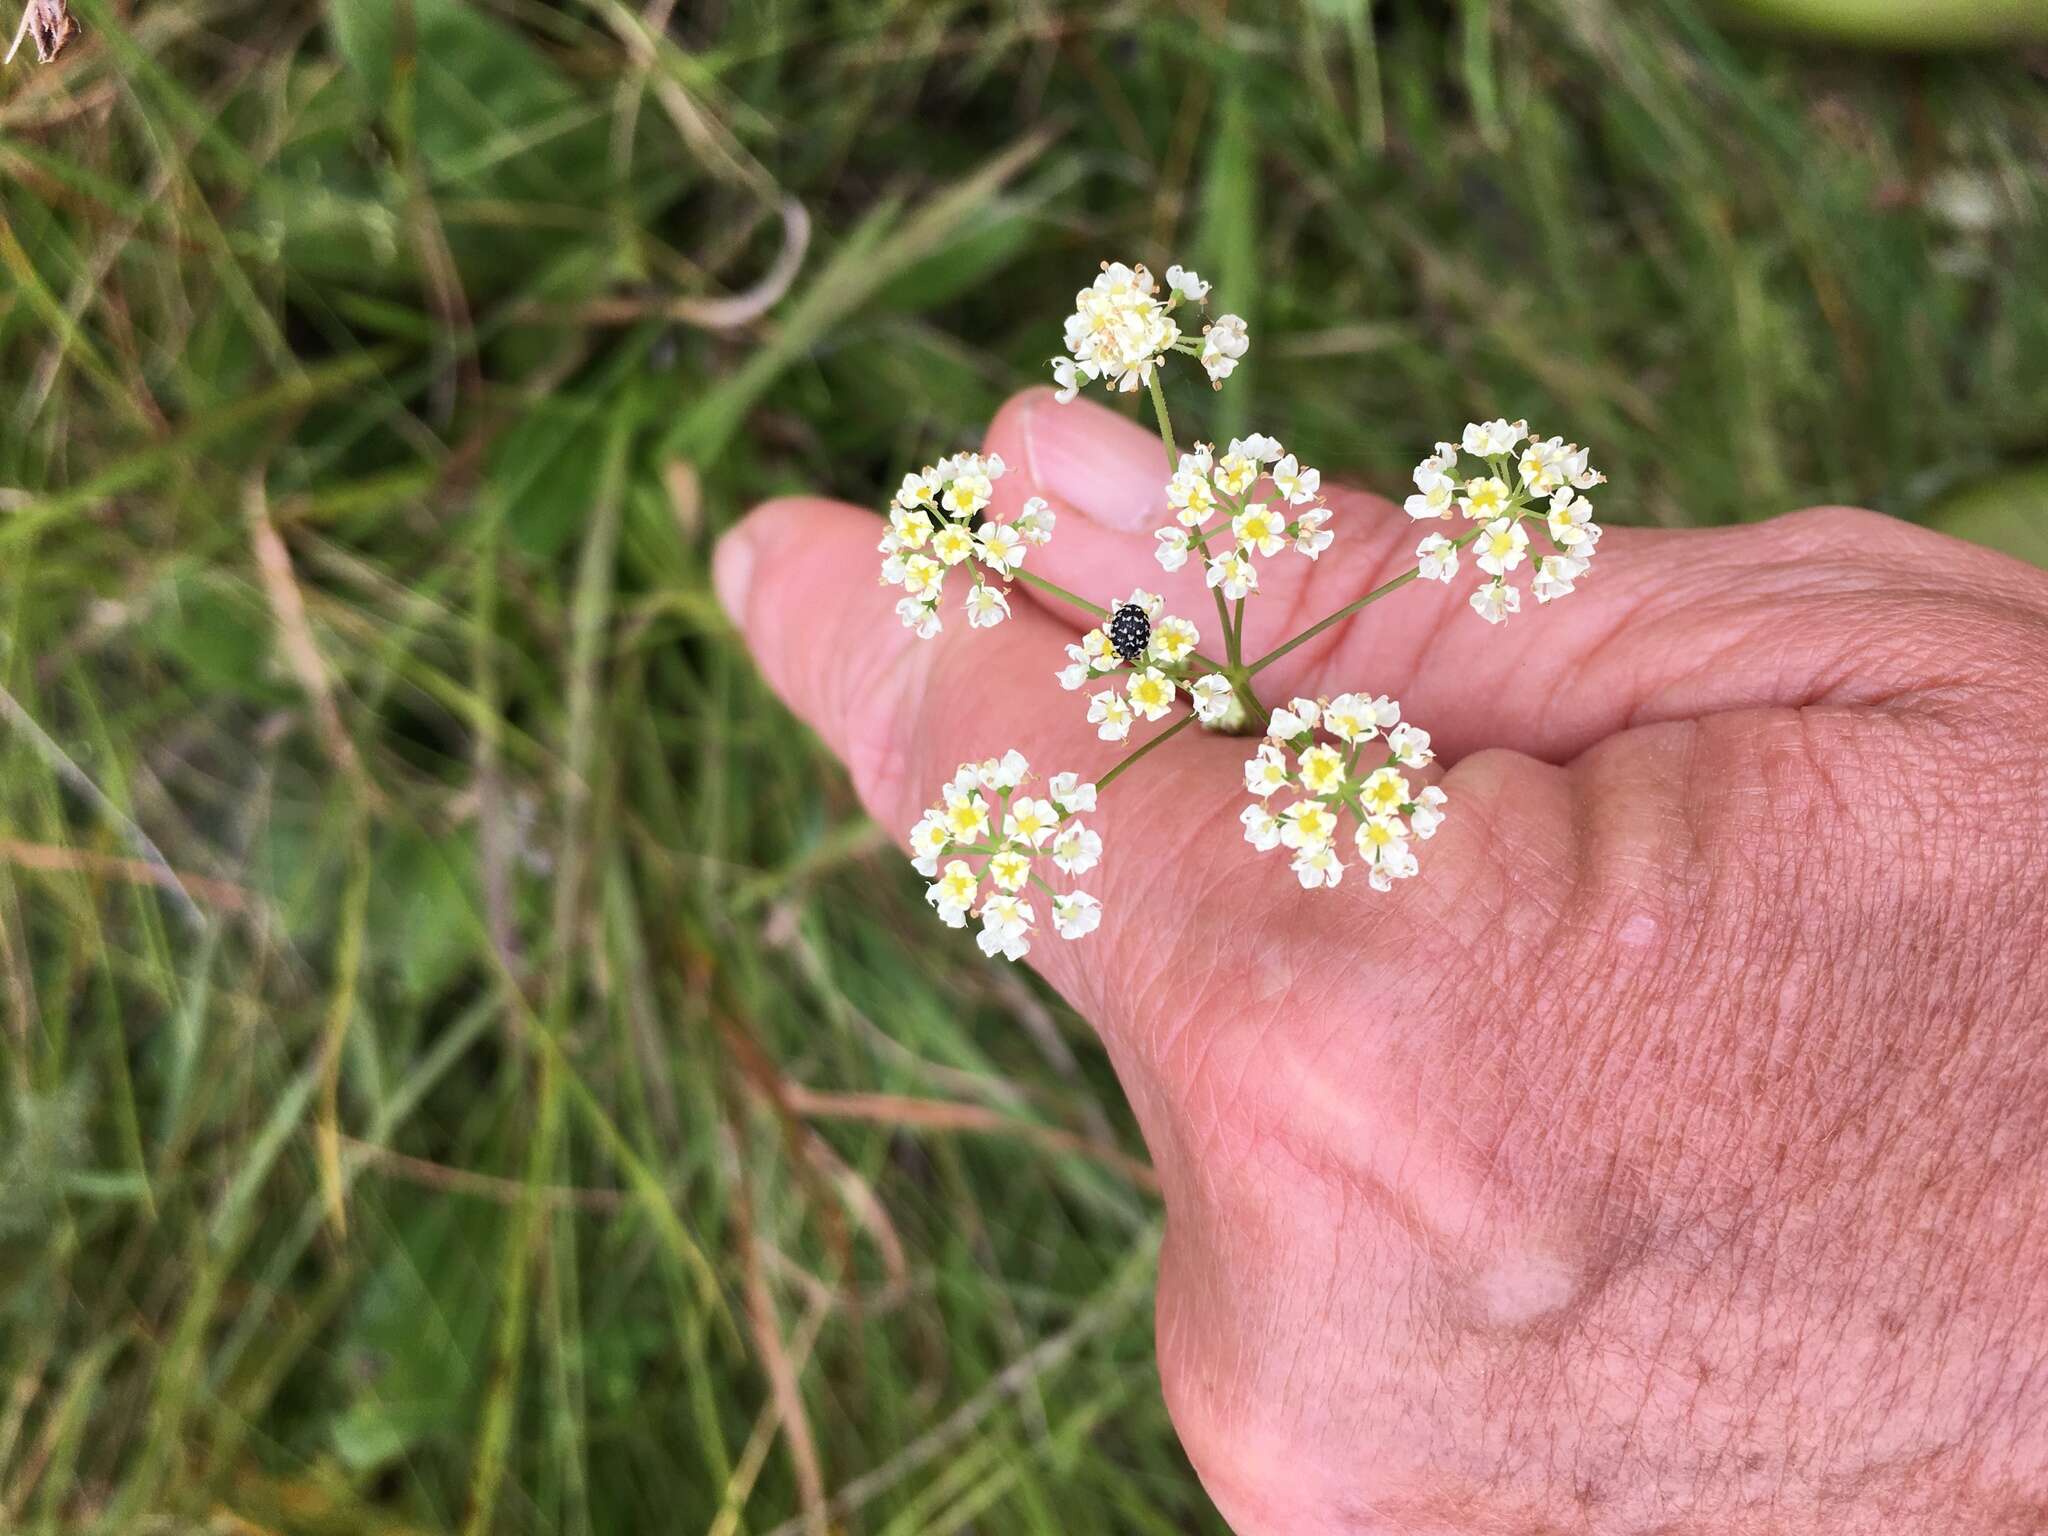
{"type": "Point", "coordinates": [1668, 1158]}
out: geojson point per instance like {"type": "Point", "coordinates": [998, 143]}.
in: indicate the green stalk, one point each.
{"type": "Point", "coordinates": [1349, 609]}
{"type": "Point", "coordinates": [1172, 730]}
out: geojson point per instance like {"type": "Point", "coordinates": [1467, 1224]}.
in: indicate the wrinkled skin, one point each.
{"type": "Point", "coordinates": [1667, 1158]}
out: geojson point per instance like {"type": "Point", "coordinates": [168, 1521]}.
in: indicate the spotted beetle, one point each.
{"type": "Point", "coordinates": [1130, 632]}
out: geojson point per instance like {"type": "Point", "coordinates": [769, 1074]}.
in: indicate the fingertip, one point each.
{"type": "Point", "coordinates": [732, 571]}
{"type": "Point", "coordinates": [1084, 457]}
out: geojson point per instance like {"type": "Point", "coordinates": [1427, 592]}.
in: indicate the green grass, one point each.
{"type": "Point", "coordinates": [461, 1153]}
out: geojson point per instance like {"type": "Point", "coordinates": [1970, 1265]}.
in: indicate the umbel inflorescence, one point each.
{"type": "Point", "coordinates": [1335, 783]}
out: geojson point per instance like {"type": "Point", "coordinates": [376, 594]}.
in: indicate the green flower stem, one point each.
{"type": "Point", "coordinates": [1165, 422]}
{"type": "Point", "coordinates": [1061, 593]}
{"type": "Point", "coordinates": [1172, 730]}
{"type": "Point", "coordinates": [1349, 609]}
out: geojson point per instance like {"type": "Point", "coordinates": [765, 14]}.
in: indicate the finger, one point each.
{"type": "Point", "coordinates": [799, 578]}
{"type": "Point", "coordinates": [1831, 605]}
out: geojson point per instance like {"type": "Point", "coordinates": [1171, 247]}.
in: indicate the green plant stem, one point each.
{"type": "Point", "coordinates": [1172, 730]}
{"type": "Point", "coordinates": [1165, 422]}
{"type": "Point", "coordinates": [1348, 610]}
{"type": "Point", "coordinates": [1061, 593]}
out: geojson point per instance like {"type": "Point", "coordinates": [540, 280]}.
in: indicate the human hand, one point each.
{"type": "Point", "coordinates": [1669, 1156]}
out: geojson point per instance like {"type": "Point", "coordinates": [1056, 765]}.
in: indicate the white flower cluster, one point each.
{"type": "Point", "coordinates": [935, 523]}
{"type": "Point", "coordinates": [1121, 329]}
{"type": "Point", "coordinates": [1216, 516]}
{"type": "Point", "coordinates": [1550, 471]}
{"type": "Point", "coordinates": [984, 816]}
{"type": "Point", "coordinates": [1322, 781]}
{"type": "Point", "coordinates": [1154, 677]}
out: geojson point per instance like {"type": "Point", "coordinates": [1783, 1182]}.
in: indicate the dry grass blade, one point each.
{"type": "Point", "coordinates": [224, 894]}
{"type": "Point", "coordinates": [295, 634]}
{"type": "Point", "coordinates": [912, 1113]}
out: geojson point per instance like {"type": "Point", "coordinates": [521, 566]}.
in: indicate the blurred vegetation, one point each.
{"type": "Point", "coordinates": [538, 1102]}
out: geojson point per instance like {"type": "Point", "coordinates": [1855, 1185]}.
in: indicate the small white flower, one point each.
{"type": "Point", "coordinates": [1384, 792]}
{"type": "Point", "coordinates": [1409, 745]}
{"type": "Point", "coordinates": [1496, 600]}
{"type": "Point", "coordinates": [1437, 558]}
{"type": "Point", "coordinates": [1030, 821]}
{"type": "Point", "coordinates": [1576, 471]}
{"type": "Point", "coordinates": [1258, 530]}
{"type": "Point", "coordinates": [1192, 496]}
{"type": "Point", "coordinates": [918, 490]}
{"type": "Point", "coordinates": [1000, 773]}
{"type": "Point", "coordinates": [1500, 546]}
{"type": "Point", "coordinates": [1485, 497]}
{"type": "Point", "coordinates": [1265, 771]}
{"type": "Point", "coordinates": [1078, 849]}
{"type": "Point", "coordinates": [1490, 439]}
{"type": "Point", "coordinates": [953, 893]}
{"type": "Point", "coordinates": [911, 527]}
{"type": "Point", "coordinates": [1556, 576]}
{"type": "Point", "coordinates": [1000, 547]}
{"type": "Point", "coordinates": [966, 814]}
{"type": "Point", "coordinates": [1010, 868]}
{"type": "Point", "coordinates": [928, 840]}
{"type": "Point", "coordinates": [1542, 465]}
{"type": "Point", "coordinates": [1434, 487]}
{"type": "Point", "coordinates": [1173, 640]}
{"type": "Point", "coordinates": [1236, 472]}
{"type": "Point", "coordinates": [1261, 827]}
{"type": "Point", "coordinates": [1150, 692]}
{"type": "Point", "coordinates": [1307, 824]}
{"type": "Point", "coordinates": [1172, 552]}
{"type": "Point", "coordinates": [1035, 523]}
{"type": "Point", "coordinates": [987, 606]}
{"type": "Point", "coordinates": [924, 578]}
{"type": "Point", "coordinates": [1211, 695]}
{"type": "Point", "coordinates": [1070, 794]}
{"type": "Point", "coordinates": [1383, 845]}
{"type": "Point", "coordinates": [1076, 671]}
{"type": "Point", "coordinates": [1299, 485]}
{"type": "Point", "coordinates": [1151, 602]}
{"type": "Point", "coordinates": [1311, 538]}
{"type": "Point", "coordinates": [1571, 520]}
{"type": "Point", "coordinates": [1110, 715]}
{"type": "Point", "coordinates": [1322, 770]}
{"type": "Point", "coordinates": [1258, 447]}
{"type": "Point", "coordinates": [1428, 814]}
{"type": "Point", "coordinates": [1006, 927]}
{"type": "Point", "coordinates": [1186, 283]}
{"type": "Point", "coordinates": [1236, 575]}
{"type": "Point", "coordinates": [968, 492]}
{"type": "Point", "coordinates": [1298, 716]}
{"type": "Point", "coordinates": [1075, 914]}
{"type": "Point", "coordinates": [1066, 378]}
{"type": "Point", "coordinates": [952, 544]}
{"type": "Point", "coordinates": [1222, 345]}
{"type": "Point", "coordinates": [1318, 866]}
{"type": "Point", "coordinates": [1350, 717]}
{"type": "Point", "coordinates": [922, 617]}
